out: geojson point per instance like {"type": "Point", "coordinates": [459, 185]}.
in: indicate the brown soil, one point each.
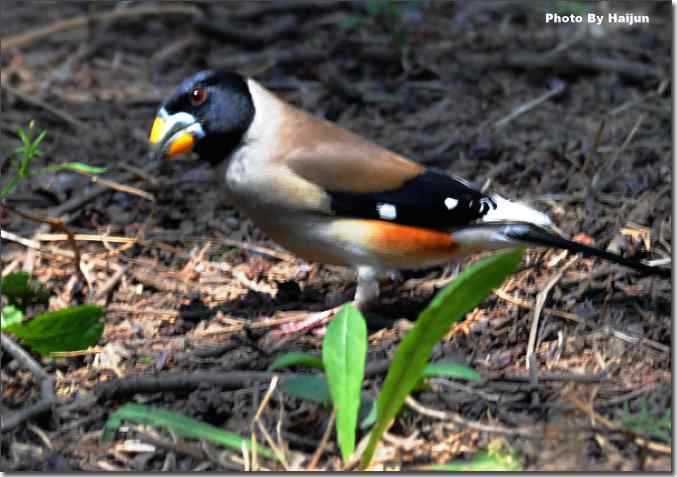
{"type": "Point", "coordinates": [435, 81]}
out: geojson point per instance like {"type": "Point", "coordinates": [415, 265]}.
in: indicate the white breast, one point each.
{"type": "Point", "coordinates": [248, 165]}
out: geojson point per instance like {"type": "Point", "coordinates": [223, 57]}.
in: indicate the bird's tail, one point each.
{"type": "Point", "coordinates": [504, 234]}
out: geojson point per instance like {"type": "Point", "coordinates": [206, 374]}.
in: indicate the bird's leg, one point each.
{"type": "Point", "coordinates": [365, 295]}
{"type": "Point", "coordinates": [367, 288]}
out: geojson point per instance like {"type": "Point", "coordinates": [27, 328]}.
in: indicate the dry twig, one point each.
{"type": "Point", "coordinates": [323, 442]}
{"type": "Point", "coordinates": [540, 302]}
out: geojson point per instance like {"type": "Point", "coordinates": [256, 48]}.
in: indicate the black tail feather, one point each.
{"type": "Point", "coordinates": [532, 234]}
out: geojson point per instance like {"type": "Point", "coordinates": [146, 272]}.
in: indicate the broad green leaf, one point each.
{"type": "Point", "coordinates": [296, 358]}
{"type": "Point", "coordinates": [69, 329]}
{"type": "Point", "coordinates": [308, 387]}
{"type": "Point", "coordinates": [181, 425]}
{"type": "Point", "coordinates": [10, 315]}
{"type": "Point", "coordinates": [21, 290]}
{"type": "Point", "coordinates": [344, 351]}
{"type": "Point", "coordinates": [412, 355]}
{"type": "Point", "coordinates": [451, 369]}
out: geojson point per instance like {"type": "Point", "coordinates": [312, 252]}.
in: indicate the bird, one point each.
{"type": "Point", "coordinates": [331, 196]}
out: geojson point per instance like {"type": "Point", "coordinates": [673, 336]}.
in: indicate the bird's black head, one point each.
{"type": "Point", "coordinates": [208, 113]}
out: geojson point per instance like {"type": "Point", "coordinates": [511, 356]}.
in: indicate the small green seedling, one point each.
{"type": "Point", "coordinates": [21, 165]}
{"type": "Point", "coordinates": [344, 351]}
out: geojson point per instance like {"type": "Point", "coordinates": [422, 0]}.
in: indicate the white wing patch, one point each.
{"type": "Point", "coordinates": [450, 203]}
{"type": "Point", "coordinates": [387, 211]}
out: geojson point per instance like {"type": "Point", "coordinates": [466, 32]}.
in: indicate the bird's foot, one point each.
{"type": "Point", "coordinates": [316, 322]}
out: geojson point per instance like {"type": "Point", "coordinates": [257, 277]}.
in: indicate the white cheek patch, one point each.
{"type": "Point", "coordinates": [450, 203]}
{"type": "Point", "coordinates": [387, 211]}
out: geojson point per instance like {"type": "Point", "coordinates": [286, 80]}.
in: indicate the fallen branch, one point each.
{"type": "Point", "coordinates": [638, 438]}
{"type": "Point", "coordinates": [255, 10]}
{"type": "Point", "coordinates": [268, 58]}
{"type": "Point", "coordinates": [84, 20]}
{"type": "Point", "coordinates": [178, 382]}
{"type": "Point", "coordinates": [568, 61]}
{"type": "Point", "coordinates": [536, 432]}
{"type": "Point", "coordinates": [123, 188]}
{"type": "Point", "coordinates": [78, 200]}
{"type": "Point", "coordinates": [529, 105]}
{"type": "Point", "coordinates": [24, 359]}
{"type": "Point", "coordinates": [47, 396]}
{"type": "Point", "coordinates": [247, 37]}
{"type": "Point", "coordinates": [553, 376]}
{"type": "Point", "coordinates": [33, 101]}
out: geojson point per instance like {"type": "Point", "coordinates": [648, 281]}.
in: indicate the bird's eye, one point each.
{"type": "Point", "coordinates": [198, 96]}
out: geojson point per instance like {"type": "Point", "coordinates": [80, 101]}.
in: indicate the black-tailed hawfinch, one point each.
{"type": "Point", "coordinates": [331, 196]}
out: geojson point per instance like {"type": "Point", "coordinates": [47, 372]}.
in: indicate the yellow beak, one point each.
{"type": "Point", "coordinates": [157, 131]}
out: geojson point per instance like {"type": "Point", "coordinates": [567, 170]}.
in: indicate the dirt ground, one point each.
{"type": "Point", "coordinates": [573, 118]}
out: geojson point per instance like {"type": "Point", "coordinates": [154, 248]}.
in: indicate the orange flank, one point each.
{"type": "Point", "coordinates": [386, 238]}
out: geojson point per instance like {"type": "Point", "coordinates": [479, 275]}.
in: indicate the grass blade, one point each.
{"type": "Point", "coordinates": [70, 166]}
{"type": "Point", "coordinates": [179, 424]}
{"type": "Point", "coordinates": [344, 351]}
{"type": "Point", "coordinates": [449, 306]}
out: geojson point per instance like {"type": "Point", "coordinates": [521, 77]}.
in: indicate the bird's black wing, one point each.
{"type": "Point", "coordinates": [432, 199]}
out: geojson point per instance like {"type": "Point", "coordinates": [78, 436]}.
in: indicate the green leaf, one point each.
{"type": "Point", "coordinates": [308, 387]}
{"type": "Point", "coordinates": [24, 137]}
{"type": "Point", "coordinates": [344, 351]}
{"type": "Point", "coordinates": [569, 7]}
{"type": "Point", "coordinates": [10, 315]}
{"type": "Point", "coordinates": [83, 168]}
{"type": "Point", "coordinates": [367, 413]}
{"type": "Point", "coordinates": [70, 166]}
{"type": "Point", "coordinates": [412, 355]}
{"type": "Point", "coordinates": [22, 291]}
{"type": "Point", "coordinates": [39, 139]}
{"type": "Point", "coordinates": [453, 370]}
{"type": "Point", "coordinates": [351, 21]}
{"type": "Point", "coordinates": [482, 462]}
{"type": "Point", "coordinates": [374, 7]}
{"type": "Point", "coordinates": [296, 358]}
{"type": "Point", "coordinates": [645, 422]}
{"type": "Point", "coordinates": [181, 425]}
{"type": "Point", "coordinates": [9, 187]}
{"type": "Point", "coordinates": [70, 329]}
